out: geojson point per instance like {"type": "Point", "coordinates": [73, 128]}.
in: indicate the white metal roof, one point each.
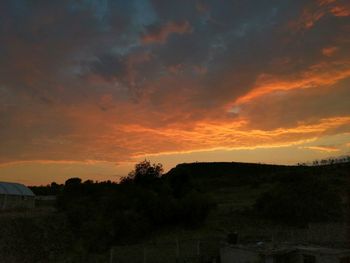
{"type": "Point", "coordinates": [14, 189]}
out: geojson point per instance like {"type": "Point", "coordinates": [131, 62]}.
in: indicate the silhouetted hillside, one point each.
{"type": "Point", "coordinates": [262, 189]}
{"type": "Point", "coordinates": [224, 174]}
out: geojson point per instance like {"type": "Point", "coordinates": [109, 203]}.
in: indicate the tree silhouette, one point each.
{"type": "Point", "coordinates": [144, 173]}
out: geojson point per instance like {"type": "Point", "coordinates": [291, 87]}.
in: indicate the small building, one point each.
{"type": "Point", "coordinates": [15, 196]}
{"type": "Point", "coordinates": [265, 253]}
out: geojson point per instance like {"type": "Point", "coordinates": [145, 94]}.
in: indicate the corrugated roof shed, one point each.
{"type": "Point", "coordinates": [15, 189]}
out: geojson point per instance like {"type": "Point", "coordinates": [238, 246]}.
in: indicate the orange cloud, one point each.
{"type": "Point", "coordinates": [322, 74]}
{"type": "Point", "coordinates": [322, 148]}
{"type": "Point", "coordinates": [329, 51]}
{"type": "Point", "coordinates": [209, 136]}
{"type": "Point", "coordinates": [341, 10]}
{"type": "Point", "coordinates": [314, 12]}
{"type": "Point", "coordinates": [63, 162]}
{"type": "Point", "coordinates": [159, 34]}
{"type": "Point", "coordinates": [308, 18]}
{"type": "Point", "coordinates": [129, 130]}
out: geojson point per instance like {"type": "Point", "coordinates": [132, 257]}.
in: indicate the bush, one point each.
{"type": "Point", "coordinates": [300, 202]}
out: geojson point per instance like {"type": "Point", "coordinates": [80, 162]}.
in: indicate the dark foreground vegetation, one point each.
{"type": "Point", "coordinates": [93, 216]}
{"type": "Point", "coordinates": [102, 214]}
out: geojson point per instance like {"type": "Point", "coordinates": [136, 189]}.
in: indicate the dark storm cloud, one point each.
{"type": "Point", "coordinates": [230, 40]}
{"type": "Point", "coordinates": [76, 73]}
{"type": "Point", "coordinates": [42, 41]}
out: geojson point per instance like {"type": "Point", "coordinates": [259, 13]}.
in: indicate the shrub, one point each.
{"type": "Point", "coordinates": [301, 201]}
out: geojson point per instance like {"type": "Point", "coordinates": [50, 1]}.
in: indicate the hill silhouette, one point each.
{"type": "Point", "coordinates": [223, 174]}
{"type": "Point", "coordinates": [315, 193]}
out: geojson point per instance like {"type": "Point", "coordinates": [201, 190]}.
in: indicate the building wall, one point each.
{"type": "Point", "coordinates": [8, 202]}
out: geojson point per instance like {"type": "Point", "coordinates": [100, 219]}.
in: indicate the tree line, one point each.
{"type": "Point", "coordinates": [101, 214]}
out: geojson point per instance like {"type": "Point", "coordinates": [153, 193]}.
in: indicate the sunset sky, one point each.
{"type": "Point", "coordinates": [89, 87]}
